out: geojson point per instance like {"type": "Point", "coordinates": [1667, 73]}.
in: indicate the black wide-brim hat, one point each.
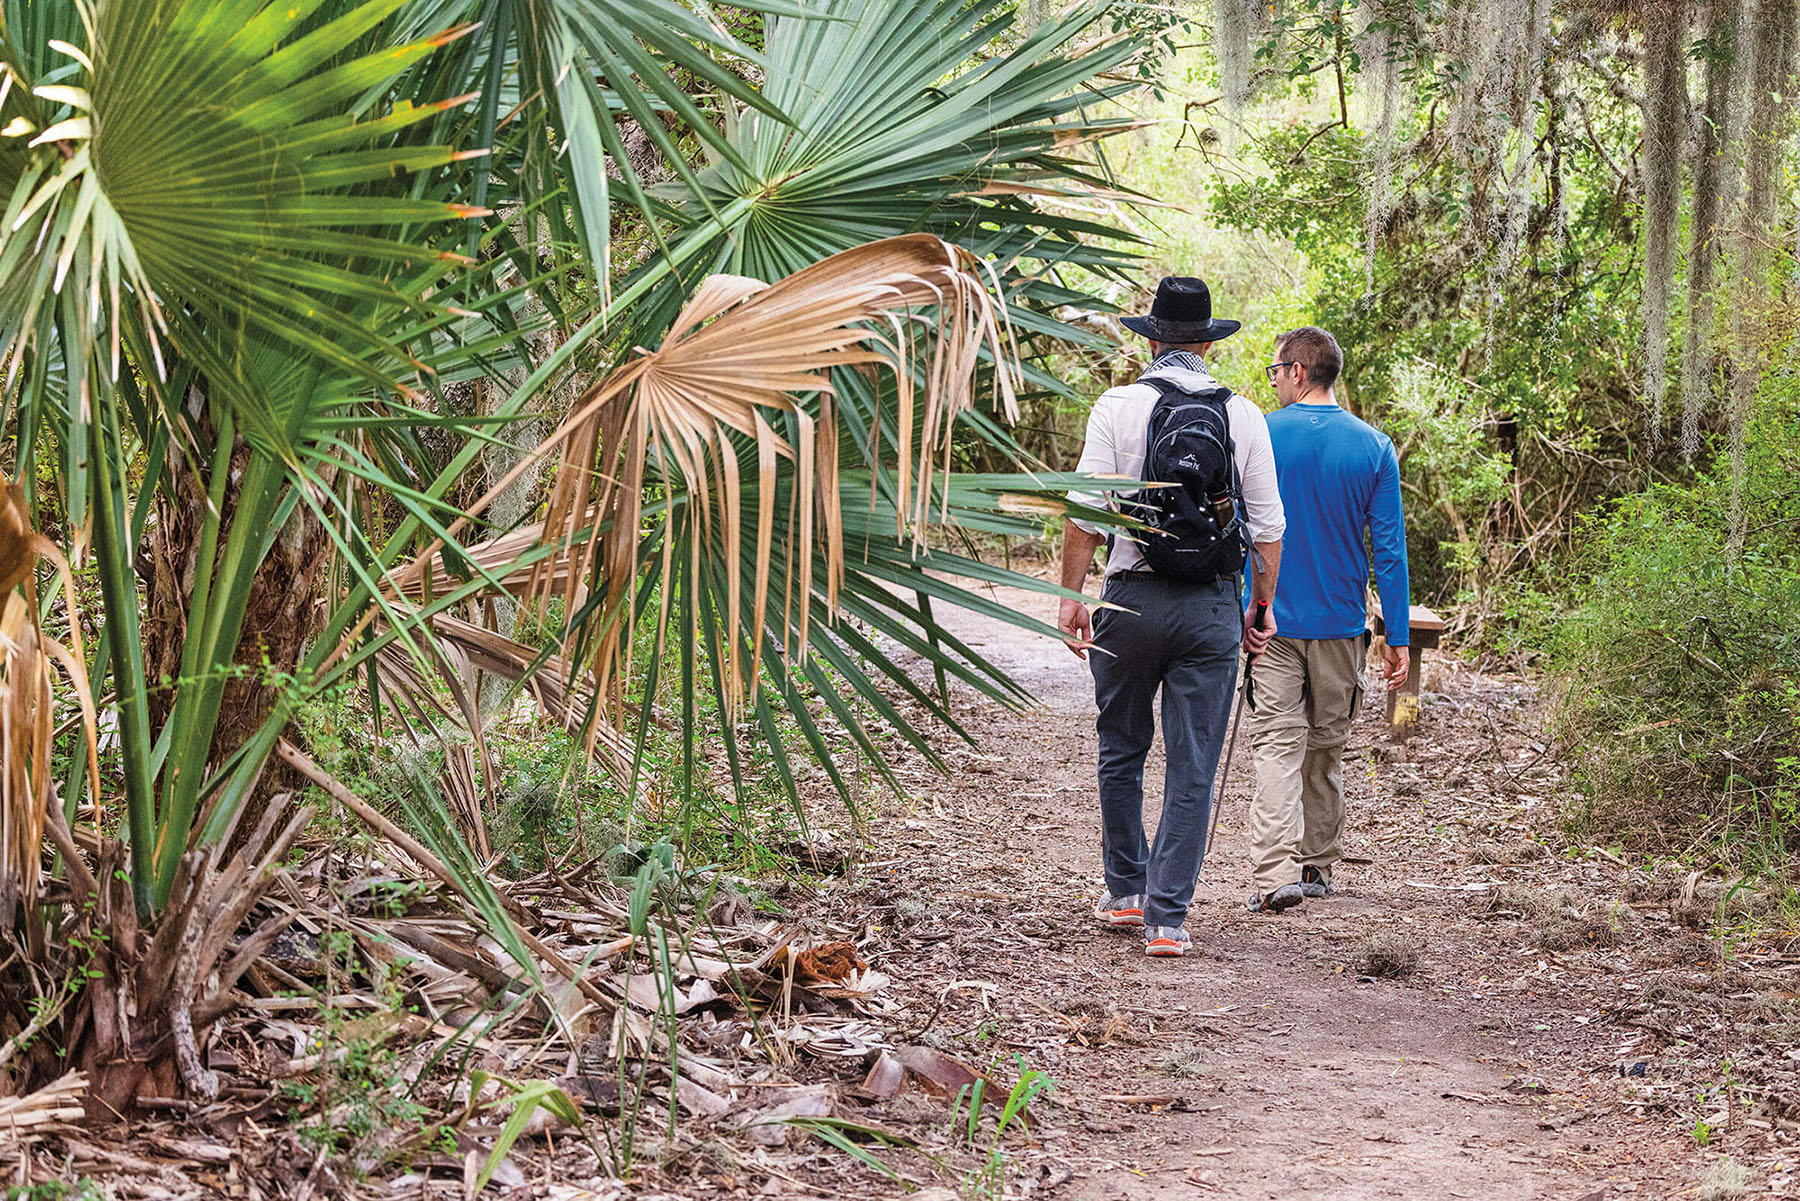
{"type": "Point", "coordinates": [1181, 313]}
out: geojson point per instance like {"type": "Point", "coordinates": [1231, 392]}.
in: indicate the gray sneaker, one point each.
{"type": "Point", "coordinates": [1120, 911]}
{"type": "Point", "coordinates": [1285, 897]}
{"type": "Point", "coordinates": [1315, 884]}
{"type": "Point", "coordinates": [1166, 942]}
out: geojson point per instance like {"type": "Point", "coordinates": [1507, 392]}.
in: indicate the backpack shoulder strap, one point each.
{"type": "Point", "coordinates": [1220, 395]}
{"type": "Point", "coordinates": [1164, 389]}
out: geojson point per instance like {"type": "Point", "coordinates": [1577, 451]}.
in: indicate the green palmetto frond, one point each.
{"type": "Point", "coordinates": [207, 188]}
{"type": "Point", "coordinates": [902, 117]}
{"type": "Point", "coordinates": [702, 498]}
{"type": "Point", "coordinates": [572, 75]}
{"type": "Point", "coordinates": [906, 117]}
{"type": "Point", "coordinates": [898, 118]}
{"type": "Point", "coordinates": [212, 174]}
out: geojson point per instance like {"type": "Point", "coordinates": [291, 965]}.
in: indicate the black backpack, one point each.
{"type": "Point", "coordinates": [1197, 531]}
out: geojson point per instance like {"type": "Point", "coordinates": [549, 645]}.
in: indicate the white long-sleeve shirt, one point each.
{"type": "Point", "coordinates": [1115, 446]}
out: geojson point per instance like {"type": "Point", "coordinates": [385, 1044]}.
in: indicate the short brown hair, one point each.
{"type": "Point", "coordinates": [1315, 350]}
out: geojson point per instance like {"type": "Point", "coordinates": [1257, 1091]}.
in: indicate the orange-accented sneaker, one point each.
{"type": "Point", "coordinates": [1166, 942]}
{"type": "Point", "coordinates": [1120, 911]}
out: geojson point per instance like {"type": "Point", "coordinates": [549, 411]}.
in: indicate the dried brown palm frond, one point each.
{"type": "Point", "coordinates": [43, 1111]}
{"type": "Point", "coordinates": [740, 353]}
{"type": "Point", "coordinates": [178, 977]}
{"type": "Point", "coordinates": [180, 973]}
{"type": "Point", "coordinates": [26, 720]}
{"type": "Point", "coordinates": [29, 660]}
{"type": "Point", "coordinates": [505, 557]}
{"type": "Point", "coordinates": [511, 660]}
{"type": "Point", "coordinates": [547, 678]}
{"type": "Point", "coordinates": [467, 786]}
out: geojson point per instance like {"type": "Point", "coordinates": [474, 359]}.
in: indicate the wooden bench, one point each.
{"type": "Point", "coordinates": [1403, 703]}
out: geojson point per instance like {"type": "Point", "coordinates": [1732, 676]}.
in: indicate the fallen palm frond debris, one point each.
{"type": "Point", "coordinates": [403, 1043]}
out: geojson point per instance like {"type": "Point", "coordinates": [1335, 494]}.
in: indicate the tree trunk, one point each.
{"type": "Point", "coordinates": [282, 617]}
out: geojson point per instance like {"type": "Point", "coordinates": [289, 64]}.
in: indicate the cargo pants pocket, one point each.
{"type": "Point", "coordinates": [1362, 670]}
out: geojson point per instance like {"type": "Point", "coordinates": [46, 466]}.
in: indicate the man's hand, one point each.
{"type": "Point", "coordinates": [1073, 621]}
{"type": "Point", "coordinates": [1256, 640]}
{"type": "Point", "coordinates": [1394, 667]}
{"type": "Point", "coordinates": [1078, 550]}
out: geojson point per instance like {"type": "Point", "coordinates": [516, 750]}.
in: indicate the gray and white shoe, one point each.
{"type": "Point", "coordinates": [1120, 911]}
{"type": "Point", "coordinates": [1285, 897]}
{"type": "Point", "coordinates": [1315, 884]}
{"type": "Point", "coordinates": [1166, 942]}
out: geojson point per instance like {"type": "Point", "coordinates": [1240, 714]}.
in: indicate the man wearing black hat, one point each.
{"type": "Point", "coordinates": [1161, 625]}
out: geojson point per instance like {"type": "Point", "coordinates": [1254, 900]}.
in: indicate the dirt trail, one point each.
{"type": "Point", "coordinates": [1474, 1076]}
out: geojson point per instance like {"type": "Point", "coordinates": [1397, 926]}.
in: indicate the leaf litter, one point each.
{"type": "Point", "coordinates": [388, 1044]}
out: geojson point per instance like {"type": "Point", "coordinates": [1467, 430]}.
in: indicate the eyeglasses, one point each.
{"type": "Point", "coordinates": [1272, 368]}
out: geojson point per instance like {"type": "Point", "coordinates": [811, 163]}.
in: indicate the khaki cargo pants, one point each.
{"type": "Point", "coordinates": [1307, 693]}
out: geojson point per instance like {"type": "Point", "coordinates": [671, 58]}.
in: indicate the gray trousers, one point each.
{"type": "Point", "coordinates": [1181, 639]}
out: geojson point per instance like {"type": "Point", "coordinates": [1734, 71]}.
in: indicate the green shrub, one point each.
{"type": "Point", "coordinates": [1679, 663]}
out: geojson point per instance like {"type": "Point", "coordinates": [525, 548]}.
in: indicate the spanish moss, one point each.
{"type": "Point", "coordinates": [1516, 82]}
{"type": "Point", "coordinates": [1235, 24]}
{"type": "Point", "coordinates": [1493, 51]}
{"type": "Point", "coordinates": [1666, 112]}
{"type": "Point", "coordinates": [1382, 47]}
{"type": "Point", "coordinates": [1715, 189]}
{"type": "Point", "coordinates": [1770, 75]}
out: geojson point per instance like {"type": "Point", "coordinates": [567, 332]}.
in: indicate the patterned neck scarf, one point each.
{"type": "Point", "coordinates": [1185, 359]}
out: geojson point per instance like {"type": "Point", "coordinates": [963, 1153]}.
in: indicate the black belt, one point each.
{"type": "Point", "coordinates": [1152, 577]}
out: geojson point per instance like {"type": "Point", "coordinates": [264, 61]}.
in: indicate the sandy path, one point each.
{"type": "Point", "coordinates": [1293, 1074]}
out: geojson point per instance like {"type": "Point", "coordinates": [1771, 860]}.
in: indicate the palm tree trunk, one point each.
{"type": "Point", "coordinates": [283, 615]}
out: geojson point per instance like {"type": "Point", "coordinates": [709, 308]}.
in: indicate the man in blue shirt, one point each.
{"type": "Point", "coordinates": [1338, 478]}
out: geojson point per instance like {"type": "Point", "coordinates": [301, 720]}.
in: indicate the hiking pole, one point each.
{"type": "Point", "coordinates": [1262, 618]}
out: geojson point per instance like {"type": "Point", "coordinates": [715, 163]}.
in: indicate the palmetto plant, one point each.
{"type": "Point", "coordinates": [246, 250]}
{"type": "Point", "coordinates": [898, 117]}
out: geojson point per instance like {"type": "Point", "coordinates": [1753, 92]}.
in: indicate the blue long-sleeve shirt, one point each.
{"type": "Point", "coordinates": [1338, 475]}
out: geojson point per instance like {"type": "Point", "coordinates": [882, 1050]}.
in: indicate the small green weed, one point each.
{"type": "Point", "coordinates": [838, 1132]}
{"type": "Point", "coordinates": [989, 1180]}
{"type": "Point", "coordinates": [526, 1100]}
{"type": "Point", "coordinates": [1703, 1129]}
{"type": "Point", "coordinates": [56, 1190]}
{"type": "Point", "coordinates": [363, 1105]}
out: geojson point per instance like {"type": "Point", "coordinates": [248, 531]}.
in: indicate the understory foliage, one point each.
{"type": "Point", "coordinates": [1682, 708]}
{"type": "Point", "coordinates": [1555, 238]}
